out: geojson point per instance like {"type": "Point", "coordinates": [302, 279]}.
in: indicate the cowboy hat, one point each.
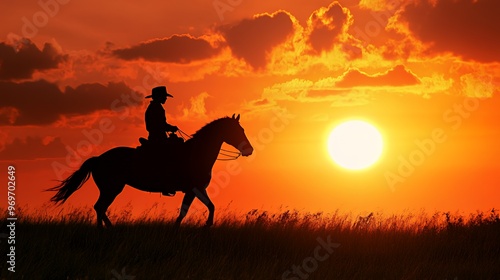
{"type": "Point", "coordinates": [159, 91]}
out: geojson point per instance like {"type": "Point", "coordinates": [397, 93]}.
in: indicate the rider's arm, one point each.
{"type": "Point", "coordinates": [170, 127]}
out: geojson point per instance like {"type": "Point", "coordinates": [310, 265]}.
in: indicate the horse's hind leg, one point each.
{"type": "Point", "coordinates": [106, 197]}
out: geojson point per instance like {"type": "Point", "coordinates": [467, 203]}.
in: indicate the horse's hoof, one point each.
{"type": "Point", "coordinates": [208, 225]}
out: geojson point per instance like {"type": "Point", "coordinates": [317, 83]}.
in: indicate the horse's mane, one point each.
{"type": "Point", "coordinates": [211, 126]}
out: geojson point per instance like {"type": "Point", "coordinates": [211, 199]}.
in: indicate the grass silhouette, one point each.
{"type": "Point", "coordinates": [258, 245]}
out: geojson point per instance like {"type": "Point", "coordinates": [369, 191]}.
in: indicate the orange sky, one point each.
{"type": "Point", "coordinates": [425, 73]}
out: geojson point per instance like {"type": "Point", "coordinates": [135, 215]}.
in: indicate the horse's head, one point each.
{"type": "Point", "coordinates": [236, 137]}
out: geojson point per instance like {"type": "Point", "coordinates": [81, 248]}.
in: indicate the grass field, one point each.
{"type": "Point", "coordinates": [258, 245]}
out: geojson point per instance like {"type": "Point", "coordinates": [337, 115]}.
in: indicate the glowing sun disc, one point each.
{"type": "Point", "coordinates": [355, 144]}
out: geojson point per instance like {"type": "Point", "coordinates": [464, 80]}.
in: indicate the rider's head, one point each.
{"type": "Point", "coordinates": [159, 94]}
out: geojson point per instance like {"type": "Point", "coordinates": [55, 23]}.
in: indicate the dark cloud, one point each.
{"type": "Point", "coordinates": [253, 39]}
{"type": "Point", "coordinates": [327, 25]}
{"type": "Point", "coordinates": [398, 76]}
{"type": "Point", "coordinates": [42, 103]}
{"type": "Point", "coordinates": [33, 148]}
{"type": "Point", "coordinates": [21, 61]}
{"type": "Point", "coordinates": [398, 49]}
{"type": "Point", "coordinates": [468, 28]}
{"type": "Point", "coordinates": [176, 49]}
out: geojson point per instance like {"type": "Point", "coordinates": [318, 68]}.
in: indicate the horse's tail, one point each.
{"type": "Point", "coordinates": [75, 181]}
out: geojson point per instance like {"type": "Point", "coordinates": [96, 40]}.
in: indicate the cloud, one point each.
{"type": "Point", "coordinates": [468, 28]}
{"type": "Point", "coordinates": [304, 91]}
{"type": "Point", "coordinates": [477, 85]}
{"type": "Point", "coordinates": [181, 49]}
{"type": "Point", "coordinates": [308, 91]}
{"type": "Point", "coordinates": [379, 5]}
{"type": "Point", "coordinates": [43, 103]}
{"type": "Point", "coordinates": [33, 148]}
{"type": "Point", "coordinates": [293, 90]}
{"type": "Point", "coordinates": [397, 76]}
{"type": "Point", "coordinates": [353, 88]}
{"type": "Point", "coordinates": [261, 102]}
{"type": "Point", "coordinates": [327, 25]}
{"type": "Point", "coordinates": [253, 39]}
{"type": "Point", "coordinates": [197, 109]}
{"type": "Point", "coordinates": [22, 60]}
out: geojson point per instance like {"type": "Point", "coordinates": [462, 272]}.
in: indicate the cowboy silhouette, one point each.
{"type": "Point", "coordinates": [156, 121]}
{"type": "Point", "coordinates": [157, 126]}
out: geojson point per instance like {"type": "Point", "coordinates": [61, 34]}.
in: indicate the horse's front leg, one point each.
{"type": "Point", "coordinates": [186, 203]}
{"type": "Point", "coordinates": [203, 197]}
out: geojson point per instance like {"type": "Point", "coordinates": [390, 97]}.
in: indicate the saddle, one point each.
{"type": "Point", "coordinates": [173, 141]}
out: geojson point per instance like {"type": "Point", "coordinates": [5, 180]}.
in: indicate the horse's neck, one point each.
{"type": "Point", "coordinates": [207, 149]}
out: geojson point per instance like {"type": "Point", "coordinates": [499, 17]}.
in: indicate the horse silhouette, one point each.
{"type": "Point", "coordinates": [185, 167]}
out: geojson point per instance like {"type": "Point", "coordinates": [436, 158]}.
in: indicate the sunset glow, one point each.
{"type": "Point", "coordinates": [250, 139]}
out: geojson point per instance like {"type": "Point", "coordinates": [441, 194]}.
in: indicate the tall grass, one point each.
{"type": "Point", "coordinates": [257, 245]}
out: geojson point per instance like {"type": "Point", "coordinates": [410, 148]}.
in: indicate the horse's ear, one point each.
{"type": "Point", "coordinates": [232, 117]}
{"type": "Point", "coordinates": [238, 117]}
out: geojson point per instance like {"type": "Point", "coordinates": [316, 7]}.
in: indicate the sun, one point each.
{"type": "Point", "coordinates": [355, 144]}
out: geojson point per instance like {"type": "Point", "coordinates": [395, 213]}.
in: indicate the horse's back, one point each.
{"type": "Point", "coordinates": [114, 162]}
{"type": "Point", "coordinates": [136, 166]}
{"type": "Point", "coordinates": [119, 152]}
{"type": "Point", "coordinates": [147, 169]}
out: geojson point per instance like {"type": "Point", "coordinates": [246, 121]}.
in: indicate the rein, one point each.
{"type": "Point", "coordinates": [230, 155]}
{"type": "Point", "coordinates": [183, 134]}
